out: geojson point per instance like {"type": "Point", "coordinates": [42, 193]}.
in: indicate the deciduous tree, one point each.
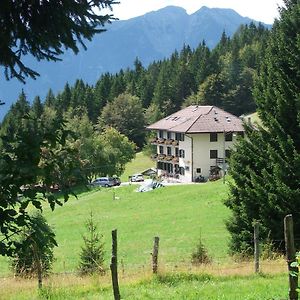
{"type": "Point", "coordinates": [125, 114]}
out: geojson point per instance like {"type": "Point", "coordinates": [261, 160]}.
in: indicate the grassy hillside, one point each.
{"type": "Point", "coordinates": [177, 214]}
{"type": "Point", "coordinates": [137, 165]}
{"type": "Point", "coordinates": [253, 118]}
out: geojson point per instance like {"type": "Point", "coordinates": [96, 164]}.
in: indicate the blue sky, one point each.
{"type": "Point", "coordinates": [260, 10]}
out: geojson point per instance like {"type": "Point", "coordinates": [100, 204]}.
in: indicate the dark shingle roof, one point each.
{"type": "Point", "coordinates": [199, 119]}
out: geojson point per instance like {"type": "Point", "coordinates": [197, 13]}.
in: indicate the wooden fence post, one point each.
{"type": "Point", "coordinates": [155, 255]}
{"type": "Point", "coordinates": [290, 256]}
{"type": "Point", "coordinates": [114, 265]}
{"type": "Point", "coordinates": [256, 247]}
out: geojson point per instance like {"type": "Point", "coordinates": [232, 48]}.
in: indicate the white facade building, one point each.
{"type": "Point", "coordinates": [195, 142]}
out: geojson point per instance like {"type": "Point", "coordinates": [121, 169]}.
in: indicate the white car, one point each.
{"type": "Point", "coordinates": [137, 178]}
{"type": "Point", "coordinates": [150, 186]}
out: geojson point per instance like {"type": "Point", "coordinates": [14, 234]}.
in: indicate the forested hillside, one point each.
{"type": "Point", "coordinates": [132, 98]}
{"type": "Point", "coordinates": [150, 37]}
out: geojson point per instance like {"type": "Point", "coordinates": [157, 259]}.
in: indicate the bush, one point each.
{"type": "Point", "coordinates": [200, 255]}
{"type": "Point", "coordinates": [92, 253]}
{"type": "Point", "coordinates": [37, 241]}
{"type": "Point", "coordinates": [268, 250]}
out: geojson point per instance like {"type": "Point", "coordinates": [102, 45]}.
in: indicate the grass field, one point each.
{"type": "Point", "coordinates": [178, 215]}
{"type": "Point", "coordinates": [163, 287]}
{"type": "Point", "coordinates": [138, 165]}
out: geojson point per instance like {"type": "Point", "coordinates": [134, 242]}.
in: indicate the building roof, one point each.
{"type": "Point", "coordinates": [199, 119]}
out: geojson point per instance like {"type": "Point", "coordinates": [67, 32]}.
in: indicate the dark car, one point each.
{"type": "Point", "coordinates": [117, 180]}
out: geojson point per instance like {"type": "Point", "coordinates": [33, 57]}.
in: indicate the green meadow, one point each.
{"type": "Point", "coordinates": [179, 215]}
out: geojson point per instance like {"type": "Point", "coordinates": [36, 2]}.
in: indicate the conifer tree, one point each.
{"type": "Point", "coordinates": [37, 107]}
{"type": "Point", "coordinates": [92, 253]}
{"type": "Point", "coordinates": [50, 99]}
{"type": "Point", "coordinates": [266, 165]}
{"type": "Point", "coordinates": [45, 29]}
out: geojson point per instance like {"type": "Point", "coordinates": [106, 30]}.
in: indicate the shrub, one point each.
{"type": "Point", "coordinates": [268, 250]}
{"type": "Point", "coordinates": [37, 241]}
{"type": "Point", "coordinates": [200, 255]}
{"type": "Point", "coordinates": [92, 253]}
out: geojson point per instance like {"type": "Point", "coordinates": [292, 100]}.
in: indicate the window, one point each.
{"type": "Point", "coordinates": [176, 152]}
{"type": "Point", "coordinates": [213, 153]}
{"type": "Point", "coordinates": [241, 134]}
{"type": "Point", "coordinates": [227, 153]}
{"type": "Point", "coordinates": [181, 171]}
{"type": "Point", "coordinates": [169, 150]}
{"type": "Point", "coordinates": [213, 137]}
{"type": "Point", "coordinates": [181, 153]}
{"type": "Point", "coordinates": [179, 136]}
{"type": "Point", "coordinates": [228, 136]}
{"type": "Point", "coordinates": [169, 135]}
{"type": "Point", "coordinates": [160, 165]}
{"type": "Point", "coordinates": [161, 149]}
{"type": "Point", "coordinates": [161, 134]}
{"type": "Point", "coordinates": [198, 170]}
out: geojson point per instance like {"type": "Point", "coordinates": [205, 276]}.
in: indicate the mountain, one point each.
{"type": "Point", "coordinates": [150, 37]}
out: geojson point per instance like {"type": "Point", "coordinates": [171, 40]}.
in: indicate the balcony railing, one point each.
{"type": "Point", "coordinates": [221, 161]}
{"type": "Point", "coordinates": [165, 158]}
{"type": "Point", "coordinates": [160, 141]}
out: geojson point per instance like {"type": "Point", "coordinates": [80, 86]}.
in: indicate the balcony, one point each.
{"type": "Point", "coordinates": [165, 158]}
{"type": "Point", "coordinates": [161, 141]}
{"type": "Point", "coordinates": [220, 161]}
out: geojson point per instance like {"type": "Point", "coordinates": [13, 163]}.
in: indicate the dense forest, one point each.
{"type": "Point", "coordinates": [133, 98]}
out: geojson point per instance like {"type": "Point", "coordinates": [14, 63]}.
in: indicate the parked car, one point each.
{"type": "Point", "coordinates": [150, 186]}
{"type": "Point", "coordinates": [117, 180]}
{"type": "Point", "coordinates": [103, 181]}
{"type": "Point", "coordinates": [137, 178]}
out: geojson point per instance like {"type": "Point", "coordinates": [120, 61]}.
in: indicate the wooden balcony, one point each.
{"type": "Point", "coordinates": [220, 161]}
{"type": "Point", "coordinates": [165, 158]}
{"type": "Point", "coordinates": [168, 142]}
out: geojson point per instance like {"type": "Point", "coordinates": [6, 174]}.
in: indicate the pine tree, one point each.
{"type": "Point", "coordinates": [50, 99]}
{"type": "Point", "coordinates": [92, 253]}
{"type": "Point", "coordinates": [102, 90]}
{"type": "Point", "coordinates": [45, 29]}
{"type": "Point", "coordinates": [37, 107]}
{"type": "Point", "coordinates": [266, 165]}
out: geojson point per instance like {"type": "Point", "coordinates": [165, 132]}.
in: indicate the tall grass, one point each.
{"type": "Point", "coordinates": [178, 286]}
